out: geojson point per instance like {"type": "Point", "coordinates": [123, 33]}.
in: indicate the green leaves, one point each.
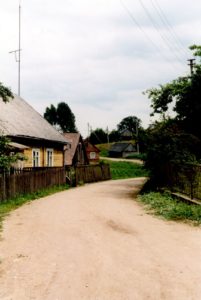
{"type": "Point", "coordinates": [61, 116]}
{"type": "Point", "coordinates": [167, 207]}
{"type": "Point", "coordinates": [5, 93]}
{"type": "Point", "coordinates": [6, 158]}
{"type": "Point", "coordinates": [130, 123]}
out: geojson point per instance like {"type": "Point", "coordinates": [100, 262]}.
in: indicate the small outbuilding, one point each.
{"type": "Point", "coordinates": [92, 152]}
{"type": "Point", "coordinates": [122, 150]}
{"type": "Point", "coordinates": [76, 153]}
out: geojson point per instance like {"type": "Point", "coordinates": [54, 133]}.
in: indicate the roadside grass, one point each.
{"type": "Point", "coordinates": [171, 209]}
{"type": "Point", "coordinates": [11, 204]}
{"type": "Point", "coordinates": [141, 156]}
{"type": "Point", "coordinates": [104, 149]}
{"type": "Point", "coordinates": [124, 169]}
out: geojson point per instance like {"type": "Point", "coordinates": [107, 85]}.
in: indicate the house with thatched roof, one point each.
{"type": "Point", "coordinates": [76, 153]}
{"type": "Point", "coordinates": [31, 135]}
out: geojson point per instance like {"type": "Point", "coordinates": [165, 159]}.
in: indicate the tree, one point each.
{"type": "Point", "coordinates": [61, 116]}
{"type": "Point", "coordinates": [5, 93]}
{"type": "Point", "coordinates": [166, 144]}
{"type": "Point", "coordinates": [185, 94]}
{"type": "Point", "coordinates": [51, 114]}
{"type": "Point", "coordinates": [175, 140]}
{"type": "Point", "coordinates": [130, 123]}
{"type": "Point", "coordinates": [114, 136]}
{"type": "Point", "coordinates": [98, 136]}
{"type": "Point", "coordinates": [6, 160]}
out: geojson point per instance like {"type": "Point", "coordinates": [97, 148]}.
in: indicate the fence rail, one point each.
{"type": "Point", "coordinates": [92, 173]}
{"type": "Point", "coordinates": [29, 181]}
{"type": "Point", "coordinates": [88, 173]}
{"type": "Point", "coordinates": [185, 179]}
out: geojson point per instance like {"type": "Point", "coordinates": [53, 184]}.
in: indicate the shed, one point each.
{"type": "Point", "coordinates": [122, 150]}
{"type": "Point", "coordinates": [76, 153]}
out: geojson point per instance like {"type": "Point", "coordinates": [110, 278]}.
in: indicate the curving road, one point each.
{"type": "Point", "coordinates": [97, 243]}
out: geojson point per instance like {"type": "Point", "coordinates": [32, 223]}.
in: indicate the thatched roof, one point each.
{"type": "Point", "coordinates": [19, 119]}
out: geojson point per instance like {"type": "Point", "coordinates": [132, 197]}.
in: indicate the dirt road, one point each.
{"type": "Point", "coordinates": [136, 161]}
{"type": "Point", "coordinates": [96, 243]}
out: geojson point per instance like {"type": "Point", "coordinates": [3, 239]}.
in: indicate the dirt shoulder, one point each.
{"type": "Point", "coordinates": [136, 161]}
{"type": "Point", "coordinates": [96, 243]}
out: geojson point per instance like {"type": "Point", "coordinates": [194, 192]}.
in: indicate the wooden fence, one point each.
{"type": "Point", "coordinates": [29, 181]}
{"type": "Point", "coordinates": [88, 173]}
{"type": "Point", "coordinates": [185, 179]}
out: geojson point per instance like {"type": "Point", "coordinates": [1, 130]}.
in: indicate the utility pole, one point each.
{"type": "Point", "coordinates": [108, 139]}
{"type": "Point", "coordinates": [137, 142]}
{"type": "Point", "coordinates": [18, 52]}
{"type": "Point", "coordinates": [191, 64]}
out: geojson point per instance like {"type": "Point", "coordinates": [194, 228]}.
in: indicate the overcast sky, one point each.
{"type": "Point", "coordinates": [97, 55]}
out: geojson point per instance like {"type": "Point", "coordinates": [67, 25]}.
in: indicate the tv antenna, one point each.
{"type": "Point", "coordinates": [17, 52]}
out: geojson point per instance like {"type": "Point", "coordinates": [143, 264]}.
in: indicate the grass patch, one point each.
{"type": "Point", "coordinates": [124, 169]}
{"type": "Point", "coordinates": [11, 204]}
{"type": "Point", "coordinates": [171, 209]}
{"type": "Point", "coordinates": [104, 149]}
{"type": "Point", "coordinates": [141, 156]}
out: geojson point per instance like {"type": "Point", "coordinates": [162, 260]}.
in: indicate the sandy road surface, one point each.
{"type": "Point", "coordinates": [96, 243]}
{"type": "Point", "coordinates": [136, 161]}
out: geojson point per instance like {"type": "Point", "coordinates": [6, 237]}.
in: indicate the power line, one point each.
{"type": "Point", "coordinates": [158, 30]}
{"type": "Point", "coordinates": [144, 33]}
{"type": "Point", "coordinates": [138, 25]}
{"type": "Point", "coordinates": [168, 27]}
{"type": "Point", "coordinates": [166, 22]}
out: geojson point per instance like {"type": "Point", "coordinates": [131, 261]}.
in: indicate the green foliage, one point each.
{"type": "Point", "coordinates": [98, 136]}
{"type": "Point", "coordinates": [123, 170]}
{"type": "Point", "coordinates": [6, 160]}
{"type": "Point", "coordinates": [197, 50]}
{"type": "Point", "coordinates": [5, 93]}
{"type": "Point", "coordinates": [130, 123]}
{"type": "Point", "coordinates": [104, 148]}
{"type": "Point", "coordinates": [167, 143]}
{"type": "Point", "coordinates": [176, 140]}
{"type": "Point", "coordinates": [114, 136]}
{"type": "Point", "coordinates": [140, 156]}
{"type": "Point", "coordinates": [185, 94]}
{"type": "Point", "coordinates": [61, 116]}
{"type": "Point", "coordinates": [104, 153]}
{"type": "Point", "coordinates": [167, 207]}
{"type": "Point", "coordinates": [51, 115]}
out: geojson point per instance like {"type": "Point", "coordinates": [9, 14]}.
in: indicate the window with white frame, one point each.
{"type": "Point", "coordinates": [92, 155]}
{"type": "Point", "coordinates": [50, 157]}
{"type": "Point", "coordinates": [36, 157]}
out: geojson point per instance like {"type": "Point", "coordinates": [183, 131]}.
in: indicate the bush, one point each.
{"type": "Point", "coordinates": [169, 208]}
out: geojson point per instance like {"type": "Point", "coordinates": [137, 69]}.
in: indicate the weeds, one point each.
{"type": "Point", "coordinates": [171, 209]}
{"type": "Point", "coordinates": [123, 170]}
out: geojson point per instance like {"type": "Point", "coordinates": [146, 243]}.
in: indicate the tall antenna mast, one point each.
{"type": "Point", "coordinates": [18, 52]}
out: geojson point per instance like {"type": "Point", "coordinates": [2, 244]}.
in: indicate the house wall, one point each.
{"type": "Point", "coordinates": [57, 157]}
{"type": "Point", "coordinates": [92, 153]}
